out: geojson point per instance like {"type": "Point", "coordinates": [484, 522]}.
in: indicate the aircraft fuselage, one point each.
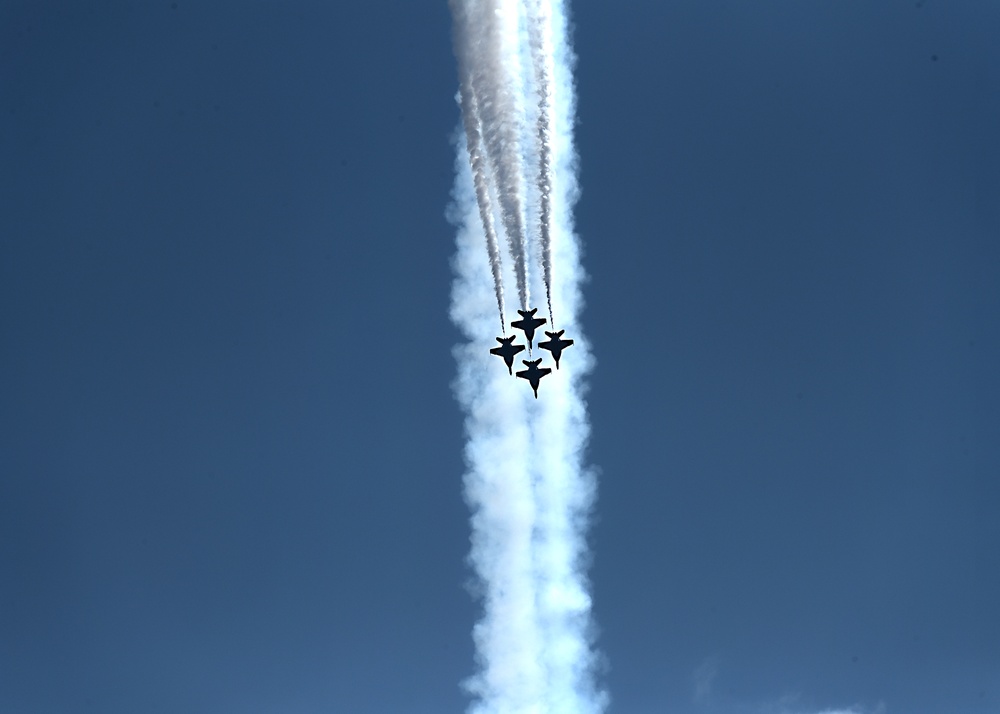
{"type": "Point", "coordinates": [528, 323]}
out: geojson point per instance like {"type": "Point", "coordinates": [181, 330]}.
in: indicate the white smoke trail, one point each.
{"type": "Point", "coordinates": [473, 140]}
{"type": "Point", "coordinates": [565, 489]}
{"type": "Point", "coordinates": [490, 32]}
{"type": "Point", "coordinates": [498, 486]}
{"type": "Point", "coordinates": [526, 483]}
{"type": "Point", "coordinates": [540, 40]}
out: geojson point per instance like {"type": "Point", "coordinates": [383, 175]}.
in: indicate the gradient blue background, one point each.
{"type": "Point", "coordinates": [230, 461]}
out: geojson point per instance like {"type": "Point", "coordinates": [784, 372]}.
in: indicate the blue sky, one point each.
{"type": "Point", "coordinates": [230, 459]}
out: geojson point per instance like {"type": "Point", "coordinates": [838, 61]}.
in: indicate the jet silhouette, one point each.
{"type": "Point", "coordinates": [555, 345]}
{"type": "Point", "coordinates": [533, 373]}
{"type": "Point", "coordinates": [507, 350]}
{"type": "Point", "coordinates": [529, 323]}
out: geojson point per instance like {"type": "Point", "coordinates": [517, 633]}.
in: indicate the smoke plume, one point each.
{"type": "Point", "coordinates": [487, 45]}
{"type": "Point", "coordinates": [539, 37]}
{"type": "Point", "coordinates": [526, 482]}
{"type": "Point", "coordinates": [473, 141]}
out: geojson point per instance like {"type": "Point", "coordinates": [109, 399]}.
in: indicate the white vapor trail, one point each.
{"type": "Point", "coordinates": [526, 483]}
{"type": "Point", "coordinates": [487, 34]}
{"type": "Point", "coordinates": [539, 34]}
{"type": "Point", "coordinates": [477, 162]}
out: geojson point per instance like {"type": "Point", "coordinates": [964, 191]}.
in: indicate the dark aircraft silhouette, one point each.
{"type": "Point", "coordinates": [507, 351]}
{"type": "Point", "coordinates": [555, 345]}
{"type": "Point", "coordinates": [529, 323]}
{"type": "Point", "coordinates": [533, 373]}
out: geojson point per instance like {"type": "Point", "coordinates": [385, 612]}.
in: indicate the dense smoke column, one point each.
{"type": "Point", "coordinates": [539, 37]}
{"type": "Point", "coordinates": [565, 489]}
{"type": "Point", "coordinates": [498, 487]}
{"type": "Point", "coordinates": [526, 481]}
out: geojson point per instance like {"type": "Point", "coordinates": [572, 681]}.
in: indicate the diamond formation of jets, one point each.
{"type": "Point", "coordinates": [507, 349]}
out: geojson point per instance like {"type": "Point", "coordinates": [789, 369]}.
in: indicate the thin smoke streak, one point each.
{"type": "Point", "coordinates": [491, 36]}
{"type": "Point", "coordinates": [539, 29]}
{"type": "Point", "coordinates": [474, 144]}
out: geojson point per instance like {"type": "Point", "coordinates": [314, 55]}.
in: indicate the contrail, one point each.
{"type": "Point", "coordinates": [489, 30]}
{"type": "Point", "coordinates": [526, 482]}
{"type": "Point", "coordinates": [474, 144]}
{"type": "Point", "coordinates": [498, 487]}
{"type": "Point", "coordinates": [539, 38]}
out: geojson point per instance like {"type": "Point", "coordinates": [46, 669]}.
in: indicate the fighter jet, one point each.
{"type": "Point", "coordinates": [507, 350]}
{"type": "Point", "coordinates": [555, 345]}
{"type": "Point", "coordinates": [533, 373]}
{"type": "Point", "coordinates": [529, 323]}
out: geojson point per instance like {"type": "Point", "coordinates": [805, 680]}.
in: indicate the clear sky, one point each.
{"type": "Point", "coordinates": [230, 458]}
